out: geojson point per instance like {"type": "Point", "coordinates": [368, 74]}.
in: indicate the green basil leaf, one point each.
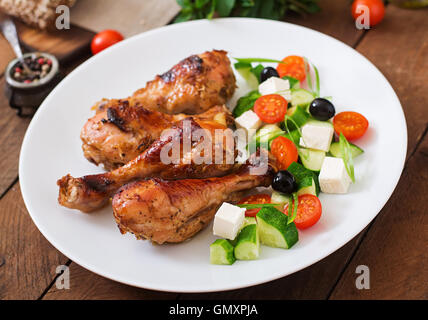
{"type": "Point", "coordinates": [257, 70]}
{"type": "Point", "coordinates": [246, 103]}
{"type": "Point", "coordinates": [291, 80]}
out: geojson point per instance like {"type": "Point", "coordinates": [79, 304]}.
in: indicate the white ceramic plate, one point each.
{"type": "Point", "coordinates": [52, 148]}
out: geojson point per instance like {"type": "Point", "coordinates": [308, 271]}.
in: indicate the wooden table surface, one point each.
{"type": "Point", "coordinates": [394, 246]}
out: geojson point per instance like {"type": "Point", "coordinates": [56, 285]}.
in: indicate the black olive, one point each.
{"type": "Point", "coordinates": [267, 73]}
{"type": "Point", "coordinates": [322, 109]}
{"type": "Point", "coordinates": [284, 182]}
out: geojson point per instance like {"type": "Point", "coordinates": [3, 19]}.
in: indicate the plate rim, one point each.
{"type": "Point", "coordinates": [168, 288]}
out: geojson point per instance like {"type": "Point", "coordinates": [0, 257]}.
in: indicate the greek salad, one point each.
{"type": "Point", "coordinates": [312, 145]}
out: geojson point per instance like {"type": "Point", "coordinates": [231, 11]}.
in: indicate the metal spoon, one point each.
{"type": "Point", "coordinates": [8, 29]}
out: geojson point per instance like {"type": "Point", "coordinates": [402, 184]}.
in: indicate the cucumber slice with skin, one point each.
{"type": "Point", "coordinates": [312, 159]}
{"type": "Point", "coordinates": [248, 76]}
{"type": "Point", "coordinates": [274, 230]}
{"type": "Point", "coordinates": [306, 179]}
{"type": "Point", "coordinates": [301, 98]}
{"type": "Point", "coordinates": [264, 136]}
{"type": "Point", "coordinates": [280, 198]}
{"type": "Point", "coordinates": [248, 243]}
{"type": "Point", "coordinates": [335, 150]}
{"type": "Point", "coordinates": [247, 222]}
{"type": "Point", "coordinates": [222, 252]}
{"type": "Point", "coordinates": [312, 189]}
{"type": "Point", "coordinates": [298, 115]}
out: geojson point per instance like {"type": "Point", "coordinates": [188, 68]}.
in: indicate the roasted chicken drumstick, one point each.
{"type": "Point", "coordinates": [173, 211]}
{"type": "Point", "coordinates": [119, 132]}
{"type": "Point", "coordinates": [91, 192]}
{"type": "Point", "coordinates": [192, 86]}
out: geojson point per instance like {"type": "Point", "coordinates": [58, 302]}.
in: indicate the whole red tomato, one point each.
{"type": "Point", "coordinates": [105, 39]}
{"type": "Point", "coordinates": [376, 10]}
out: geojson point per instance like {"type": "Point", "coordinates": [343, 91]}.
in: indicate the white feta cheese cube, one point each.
{"type": "Point", "coordinates": [249, 121]}
{"type": "Point", "coordinates": [228, 220]}
{"type": "Point", "coordinates": [275, 85]}
{"type": "Point", "coordinates": [317, 136]}
{"type": "Point", "coordinates": [333, 177]}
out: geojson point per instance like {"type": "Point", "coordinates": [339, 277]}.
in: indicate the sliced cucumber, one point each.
{"type": "Point", "coordinates": [312, 189]}
{"type": "Point", "coordinates": [248, 243]}
{"type": "Point", "coordinates": [274, 230]}
{"type": "Point", "coordinates": [306, 179]}
{"type": "Point", "coordinates": [298, 117]}
{"type": "Point", "coordinates": [312, 159]}
{"type": "Point", "coordinates": [246, 72]}
{"type": "Point", "coordinates": [248, 221]}
{"type": "Point", "coordinates": [264, 136]}
{"type": "Point", "coordinates": [301, 98]}
{"type": "Point", "coordinates": [319, 123]}
{"type": "Point", "coordinates": [335, 150]}
{"type": "Point", "coordinates": [280, 198]}
{"type": "Point", "coordinates": [294, 136]}
{"type": "Point", "coordinates": [222, 252]}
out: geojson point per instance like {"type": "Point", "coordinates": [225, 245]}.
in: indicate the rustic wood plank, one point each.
{"type": "Point", "coordinates": [87, 285]}
{"type": "Point", "coordinates": [12, 130]}
{"type": "Point", "coordinates": [27, 260]}
{"type": "Point", "coordinates": [395, 249]}
{"type": "Point", "coordinates": [64, 44]}
{"type": "Point", "coordinates": [334, 19]}
{"type": "Point", "coordinates": [6, 54]}
{"type": "Point", "coordinates": [399, 48]}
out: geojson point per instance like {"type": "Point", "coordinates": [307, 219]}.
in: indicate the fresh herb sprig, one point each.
{"type": "Point", "coordinates": [267, 9]}
{"type": "Point", "coordinates": [257, 205]}
{"type": "Point", "coordinates": [292, 215]}
{"type": "Point", "coordinates": [345, 150]}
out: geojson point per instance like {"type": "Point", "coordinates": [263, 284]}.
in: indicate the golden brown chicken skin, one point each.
{"type": "Point", "coordinates": [173, 211]}
{"type": "Point", "coordinates": [121, 130]}
{"type": "Point", "coordinates": [192, 86]}
{"type": "Point", "coordinates": [92, 192]}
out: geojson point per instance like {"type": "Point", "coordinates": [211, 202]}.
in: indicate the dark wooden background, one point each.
{"type": "Point", "coordinates": [393, 246]}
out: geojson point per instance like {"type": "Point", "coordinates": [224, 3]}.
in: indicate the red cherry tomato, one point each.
{"type": "Point", "coordinates": [309, 211]}
{"type": "Point", "coordinates": [376, 10]}
{"type": "Point", "coordinates": [105, 39]}
{"type": "Point", "coordinates": [255, 199]}
{"type": "Point", "coordinates": [271, 108]}
{"type": "Point", "coordinates": [293, 66]}
{"type": "Point", "coordinates": [285, 152]}
{"type": "Point", "coordinates": [352, 124]}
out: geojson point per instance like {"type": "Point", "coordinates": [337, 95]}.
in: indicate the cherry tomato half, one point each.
{"type": "Point", "coordinates": [105, 39]}
{"type": "Point", "coordinates": [256, 198]}
{"type": "Point", "coordinates": [309, 211]}
{"type": "Point", "coordinates": [376, 10]}
{"type": "Point", "coordinates": [285, 152]}
{"type": "Point", "coordinates": [292, 66]}
{"type": "Point", "coordinates": [271, 108]}
{"type": "Point", "coordinates": [352, 124]}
